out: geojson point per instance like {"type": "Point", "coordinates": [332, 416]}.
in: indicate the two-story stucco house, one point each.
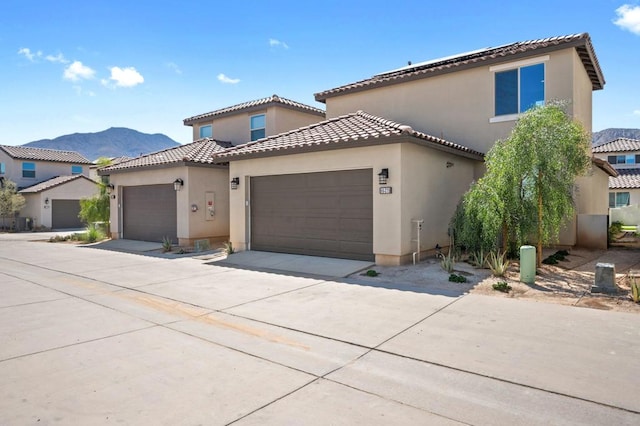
{"type": "Point", "coordinates": [52, 182]}
{"type": "Point", "coordinates": [180, 193]}
{"type": "Point", "coordinates": [399, 149]}
{"type": "Point", "coordinates": [624, 155]}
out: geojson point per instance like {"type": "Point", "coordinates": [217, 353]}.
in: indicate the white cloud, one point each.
{"type": "Point", "coordinates": [224, 79]}
{"type": "Point", "coordinates": [173, 66]}
{"type": "Point", "coordinates": [29, 54]}
{"type": "Point", "coordinates": [637, 112]}
{"type": "Point", "coordinates": [277, 43]}
{"type": "Point", "coordinates": [124, 77]}
{"type": "Point", "coordinates": [77, 71]}
{"type": "Point", "coordinates": [628, 18]}
{"type": "Point", "coordinates": [58, 58]}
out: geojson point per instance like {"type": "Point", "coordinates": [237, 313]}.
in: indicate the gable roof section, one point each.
{"type": "Point", "coordinates": [273, 100]}
{"type": "Point", "coordinates": [347, 131]}
{"type": "Point", "coordinates": [43, 154]}
{"type": "Point", "coordinates": [618, 145]}
{"type": "Point", "coordinates": [604, 166]}
{"type": "Point", "coordinates": [53, 182]}
{"type": "Point", "coordinates": [481, 57]}
{"type": "Point", "coordinates": [626, 179]}
{"type": "Point", "coordinates": [199, 151]}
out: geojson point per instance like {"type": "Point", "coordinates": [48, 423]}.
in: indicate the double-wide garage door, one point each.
{"type": "Point", "coordinates": [64, 214]}
{"type": "Point", "coordinates": [149, 212]}
{"type": "Point", "coordinates": [320, 214]}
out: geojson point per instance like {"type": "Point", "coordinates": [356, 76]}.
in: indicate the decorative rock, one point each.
{"type": "Point", "coordinates": [605, 281]}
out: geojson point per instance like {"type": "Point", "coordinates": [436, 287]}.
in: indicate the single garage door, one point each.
{"type": "Point", "coordinates": [64, 214]}
{"type": "Point", "coordinates": [320, 214]}
{"type": "Point", "coordinates": [149, 212]}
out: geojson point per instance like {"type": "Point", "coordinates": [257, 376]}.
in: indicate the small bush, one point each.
{"type": "Point", "coordinates": [614, 229]}
{"type": "Point", "coordinates": [372, 273]}
{"type": "Point", "coordinates": [635, 291]}
{"type": "Point", "coordinates": [228, 247]}
{"type": "Point", "coordinates": [448, 262]}
{"type": "Point", "coordinates": [167, 245]}
{"type": "Point", "coordinates": [478, 259]}
{"type": "Point", "coordinates": [502, 286]}
{"type": "Point", "coordinates": [551, 260]}
{"type": "Point", "coordinates": [456, 278]}
{"type": "Point", "coordinates": [498, 263]}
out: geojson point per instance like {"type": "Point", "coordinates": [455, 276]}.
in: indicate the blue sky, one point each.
{"type": "Point", "coordinates": [77, 66]}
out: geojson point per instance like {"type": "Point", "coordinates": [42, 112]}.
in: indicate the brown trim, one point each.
{"type": "Point", "coordinates": [162, 166]}
{"type": "Point", "coordinates": [605, 166]}
{"type": "Point", "coordinates": [214, 114]}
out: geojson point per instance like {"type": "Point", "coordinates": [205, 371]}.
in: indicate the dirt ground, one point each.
{"type": "Point", "coordinates": [569, 282]}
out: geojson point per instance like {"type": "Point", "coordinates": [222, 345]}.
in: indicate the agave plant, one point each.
{"type": "Point", "coordinates": [448, 262]}
{"type": "Point", "coordinates": [498, 263]}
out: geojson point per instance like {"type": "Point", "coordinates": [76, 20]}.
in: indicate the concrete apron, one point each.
{"type": "Point", "coordinates": [294, 263]}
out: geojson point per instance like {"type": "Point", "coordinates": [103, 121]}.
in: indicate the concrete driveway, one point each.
{"type": "Point", "coordinates": [91, 336]}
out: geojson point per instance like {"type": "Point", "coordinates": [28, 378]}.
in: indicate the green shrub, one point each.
{"type": "Point", "coordinates": [502, 286]}
{"type": "Point", "coordinates": [498, 263]}
{"type": "Point", "coordinates": [456, 278]}
{"type": "Point", "coordinates": [372, 273]}
{"type": "Point", "coordinates": [635, 291]}
{"type": "Point", "coordinates": [448, 262]}
{"type": "Point", "coordinates": [167, 244]}
{"type": "Point", "coordinates": [478, 258]}
{"type": "Point", "coordinates": [614, 229]}
{"type": "Point", "coordinates": [228, 247]}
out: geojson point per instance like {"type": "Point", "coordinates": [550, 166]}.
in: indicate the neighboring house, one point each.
{"type": "Point", "coordinates": [55, 203]}
{"type": "Point", "coordinates": [145, 205]}
{"type": "Point", "coordinates": [253, 120]}
{"type": "Point", "coordinates": [48, 174]}
{"type": "Point", "coordinates": [93, 169]}
{"type": "Point", "coordinates": [624, 155]}
{"type": "Point", "coordinates": [360, 184]}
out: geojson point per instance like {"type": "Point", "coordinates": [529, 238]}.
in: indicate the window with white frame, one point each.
{"type": "Point", "coordinates": [619, 199]}
{"type": "Point", "coordinates": [624, 159]}
{"type": "Point", "coordinates": [206, 131]}
{"type": "Point", "coordinates": [258, 127]}
{"type": "Point", "coordinates": [28, 170]}
{"type": "Point", "coordinates": [76, 170]}
{"type": "Point", "coordinates": [519, 89]}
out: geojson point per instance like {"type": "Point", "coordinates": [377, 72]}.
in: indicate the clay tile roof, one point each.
{"type": "Point", "coordinates": [618, 145]}
{"type": "Point", "coordinates": [257, 104]}
{"type": "Point", "coordinates": [481, 57]}
{"type": "Point", "coordinates": [43, 154]}
{"type": "Point", "coordinates": [347, 131]}
{"type": "Point", "coordinates": [199, 151]}
{"type": "Point", "coordinates": [48, 184]}
{"type": "Point", "coordinates": [626, 179]}
{"type": "Point", "coordinates": [605, 166]}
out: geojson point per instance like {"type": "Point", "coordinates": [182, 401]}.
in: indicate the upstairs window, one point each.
{"type": "Point", "coordinates": [619, 199]}
{"type": "Point", "coordinates": [76, 170]}
{"type": "Point", "coordinates": [206, 131]}
{"type": "Point", "coordinates": [258, 124]}
{"type": "Point", "coordinates": [28, 170]}
{"type": "Point", "coordinates": [519, 89]}
{"type": "Point", "coordinates": [624, 159]}
{"type": "Point", "coordinates": [2, 171]}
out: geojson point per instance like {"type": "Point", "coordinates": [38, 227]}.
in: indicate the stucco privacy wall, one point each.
{"type": "Point", "coordinates": [45, 170]}
{"type": "Point", "coordinates": [36, 208]}
{"type": "Point", "coordinates": [197, 181]}
{"type": "Point", "coordinates": [414, 175]}
{"type": "Point", "coordinates": [457, 106]}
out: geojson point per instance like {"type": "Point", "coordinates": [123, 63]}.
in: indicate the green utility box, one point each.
{"type": "Point", "coordinates": [528, 264]}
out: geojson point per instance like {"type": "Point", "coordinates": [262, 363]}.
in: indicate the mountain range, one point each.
{"type": "Point", "coordinates": [113, 142]}
{"type": "Point", "coordinates": [607, 135]}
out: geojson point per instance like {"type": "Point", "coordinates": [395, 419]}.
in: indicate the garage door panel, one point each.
{"type": "Point", "coordinates": [322, 214]}
{"type": "Point", "coordinates": [149, 212]}
{"type": "Point", "coordinates": [64, 214]}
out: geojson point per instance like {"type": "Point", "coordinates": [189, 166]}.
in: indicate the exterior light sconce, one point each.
{"type": "Point", "coordinates": [194, 207]}
{"type": "Point", "coordinates": [178, 184]}
{"type": "Point", "coordinates": [449, 164]}
{"type": "Point", "coordinates": [235, 182]}
{"type": "Point", "coordinates": [46, 201]}
{"type": "Point", "coordinates": [110, 188]}
{"type": "Point", "coordinates": [383, 176]}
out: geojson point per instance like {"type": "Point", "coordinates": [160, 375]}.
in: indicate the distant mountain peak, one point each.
{"type": "Point", "coordinates": [112, 142]}
{"type": "Point", "coordinates": [607, 135]}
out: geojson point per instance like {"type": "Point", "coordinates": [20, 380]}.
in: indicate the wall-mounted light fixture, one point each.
{"type": "Point", "coordinates": [110, 188]}
{"type": "Point", "coordinates": [178, 184]}
{"type": "Point", "coordinates": [194, 207]}
{"type": "Point", "coordinates": [46, 200]}
{"type": "Point", "coordinates": [235, 182]}
{"type": "Point", "coordinates": [383, 176]}
{"type": "Point", "coordinates": [449, 164]}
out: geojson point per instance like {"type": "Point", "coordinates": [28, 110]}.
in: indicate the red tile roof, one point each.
{"type": "Point", "coordinates": [482, 57]}
{"type": "Point", "coordinates": [347, 131]}
{"type": "Point", "coordinates": [53, 182]}
{"type": "Point", "coordinates": [627, 179]}
{"type": "Point", "coordinates": [199, 151]}
{"type": "Point", "coordinates": [273, 100]}
{"type": "Point", "coordinates": [618, 145]}
{"type": "Point", "coordinates": [43, 154]}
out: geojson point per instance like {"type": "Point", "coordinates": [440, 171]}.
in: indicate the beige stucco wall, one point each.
{"type": "Point", "coordinates": [458, 106]}
{"type": "Point", "coordinates": [36, 208]}
{"type": "Point", "coordinates": [236, 128]}
{"type": "Point", "coordinates": [197, 182]}
{"type": "Point", "coordinates": [422, 188]}
{"type": "Point", "coordinates": [45, 170]}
